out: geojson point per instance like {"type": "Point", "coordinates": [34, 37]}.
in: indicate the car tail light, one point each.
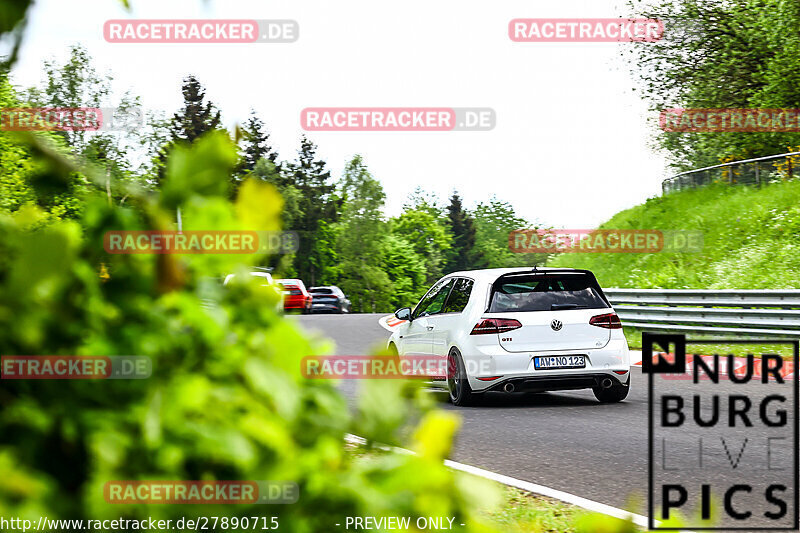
{"type": "Point", "coordinates": [608, 321]}
{"type": "Point", "coordinates": [495, 325]}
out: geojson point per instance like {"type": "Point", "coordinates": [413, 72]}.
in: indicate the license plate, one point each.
{"type": "Point", "coordinates": [549, 362]}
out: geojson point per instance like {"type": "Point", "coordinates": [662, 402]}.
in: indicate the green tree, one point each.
{"type": "Point", "coordinates": [152, 141]}
{"type": "Point", "coordinates": [77, 84]}
{"type": "Point", "coordinates": [494, 221]}
{"type": "Point", "coordinates": [316, 202]}
{"type": "Point", "coordinates": [327, 262]}
{"type": "Point", "coordinates": [734, 54]}
{"type": "Point", "coordinates": [196, 118]}
{"type": "Point", "coordinates": [255, 143]}
{"type": "Point", "coordinates": [462, 255]}
{"type": "Point", "coordinates": [360, 234]}
{"type": "Point", "coordinates": [265, 170]}
{"type": "Point", "coordinates": [422, 200]}
{"type": "Point", "coordinates": [427, 236]}
{"type": "Point", "coordinates": [406, 270]}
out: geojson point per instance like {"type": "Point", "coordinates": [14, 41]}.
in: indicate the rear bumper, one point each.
{"type": "Point", "coordinates": [326, 307]}
{"type": "Point", "coordinates": [554, 383]}
{"type": "Point", "coordinates": [518, 368]}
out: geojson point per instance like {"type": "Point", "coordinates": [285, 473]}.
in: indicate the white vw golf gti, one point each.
{"type": "Point", "coordinates": [518, 329]}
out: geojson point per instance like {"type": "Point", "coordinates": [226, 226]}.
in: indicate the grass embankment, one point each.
{"type": "Point", "coordinates": [523, 512]}
{"type": "Point", "coordinates": [751, 241]}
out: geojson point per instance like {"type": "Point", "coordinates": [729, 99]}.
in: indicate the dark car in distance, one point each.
{"type": "Point", "coordinates": [329, 299]}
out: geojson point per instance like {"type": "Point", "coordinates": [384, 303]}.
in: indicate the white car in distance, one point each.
{"type": "Point", "coordinates": [518, 329]}
{"type": "Point", "coordinates": [266, 281]}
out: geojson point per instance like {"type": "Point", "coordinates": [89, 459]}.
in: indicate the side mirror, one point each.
{"type": "Point", "coordinates": [403, 313]}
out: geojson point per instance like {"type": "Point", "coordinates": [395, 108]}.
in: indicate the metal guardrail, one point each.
{"type": "Point", "coordinates": [739, 312]}
{"type": "Point", "coordinates": [756, 171]}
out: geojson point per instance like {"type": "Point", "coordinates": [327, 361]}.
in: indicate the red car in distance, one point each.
{"type": "Point", "coordinates": [295, 295]}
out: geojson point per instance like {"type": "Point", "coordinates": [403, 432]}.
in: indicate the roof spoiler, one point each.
{"type": "Point", "coordinates": [535, 270]}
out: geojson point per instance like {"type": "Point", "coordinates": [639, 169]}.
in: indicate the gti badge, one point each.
{"type": "Point", "coordinates": [556, 325]}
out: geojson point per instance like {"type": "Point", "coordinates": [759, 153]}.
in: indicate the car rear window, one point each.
{"type": "Point", "coordinates": [321, 291]}
{"type": "Point", "coordinates": [552, 292]}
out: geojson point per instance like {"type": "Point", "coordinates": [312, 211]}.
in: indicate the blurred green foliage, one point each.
{"type": "Point", "coordinates": [226, 399]}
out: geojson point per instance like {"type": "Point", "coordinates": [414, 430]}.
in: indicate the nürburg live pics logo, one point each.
{"type": "Point", "coordinates": [723, 434]}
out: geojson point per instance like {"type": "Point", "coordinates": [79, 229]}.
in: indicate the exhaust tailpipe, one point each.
{"type": "Point", "coordinates": [508, 387]}
{"type": "Point", "coordinates": [606, 383]}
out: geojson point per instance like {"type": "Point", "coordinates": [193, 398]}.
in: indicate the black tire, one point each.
{"type": "Point", "coordinates": [457, 383]}
{"type": "Point", "coordinates": [614, 394]}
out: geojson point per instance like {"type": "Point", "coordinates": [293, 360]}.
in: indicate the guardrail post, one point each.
{"type": "Point", "coordinates": [758, 175]}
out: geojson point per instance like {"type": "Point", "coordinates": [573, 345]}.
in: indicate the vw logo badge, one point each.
{"type": "Point", "coordinates": [556, 325]}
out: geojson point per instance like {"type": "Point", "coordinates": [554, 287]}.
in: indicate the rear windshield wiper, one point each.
{"type": "Point", "coordinates": [558, 307]}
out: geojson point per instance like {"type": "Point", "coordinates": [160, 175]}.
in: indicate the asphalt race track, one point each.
{"type": "Point", "coordinates": [565, 440]}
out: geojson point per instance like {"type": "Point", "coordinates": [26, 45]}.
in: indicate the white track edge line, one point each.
{"type": "Point", "coordinates": [584, 503]}
{"type": "Point", "coordinates": [572, 499]}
